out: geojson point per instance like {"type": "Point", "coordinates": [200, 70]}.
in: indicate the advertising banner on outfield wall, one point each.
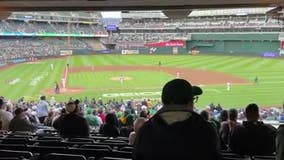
{"type": "Point", "coordinates": [130, 51]}
{"type": "Point", "coordinates": [171, 43]}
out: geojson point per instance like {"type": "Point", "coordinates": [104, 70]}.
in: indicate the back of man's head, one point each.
{"type": "Point", "coordinates": [42, 98]}
{"type": "Point", "coordinates": [252, 112]}
{"type": "Point", "coordinates": [233, 114]}
{"type": "Point", "coordinates": [179, 92]}
{"type": "Point", "coordinates": [2, 104]}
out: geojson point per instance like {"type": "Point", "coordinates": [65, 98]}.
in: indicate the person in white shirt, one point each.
{"type": "Point", "coordinates": [5, 116]}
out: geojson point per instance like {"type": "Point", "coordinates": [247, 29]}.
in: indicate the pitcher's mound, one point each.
{"type": "Point", "coordinates": [119, 78]}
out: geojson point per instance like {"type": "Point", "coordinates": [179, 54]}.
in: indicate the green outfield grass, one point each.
{"type": "Point", "coordinates": [29, 80]}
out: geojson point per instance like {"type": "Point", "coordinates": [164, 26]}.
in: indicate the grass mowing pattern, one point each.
{"type": "Point", "coordinates": [269, 91]}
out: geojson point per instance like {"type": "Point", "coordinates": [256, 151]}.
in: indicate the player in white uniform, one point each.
{"type": "Point", "coordinates": [121, 79]}
{"type": "Point", "coordinates": [178, 75]}
{"type": "Point", "coordinates": [51, 66]}
{"type": "Point", "coordinates": [228, 86]}
{"type": "Point", "coordinates": [63, 83]}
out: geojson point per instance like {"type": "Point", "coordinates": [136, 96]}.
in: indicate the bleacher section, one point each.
{"type": "Point", "coordinates": [50, 146]}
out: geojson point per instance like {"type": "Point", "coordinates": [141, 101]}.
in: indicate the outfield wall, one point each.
{"type": "Point", "coordinates": [234, 43]}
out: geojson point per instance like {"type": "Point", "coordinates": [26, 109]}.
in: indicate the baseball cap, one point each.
{"type": "Point", "coordinates": [179, 91]}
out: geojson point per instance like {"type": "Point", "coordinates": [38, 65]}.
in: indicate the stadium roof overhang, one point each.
{"type": "Point", "coordinates": [104, 5]}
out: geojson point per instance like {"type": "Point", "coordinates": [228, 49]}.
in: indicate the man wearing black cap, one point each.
{"type": "Point", "coordinates": [176, 131]}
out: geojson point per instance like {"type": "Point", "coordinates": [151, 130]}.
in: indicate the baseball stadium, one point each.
{"type": "Point", "coordinates": [136, 80]}
{"type": "Point", "coordinates": [235, 59]}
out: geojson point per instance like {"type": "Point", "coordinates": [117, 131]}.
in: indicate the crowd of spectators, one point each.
{"type": "Point", "coordinates": [153, 126]}
{"type": "Point", "coordinates": [48, 27]}
{"type": "Point", "coordinates": [192, 23]}
{"type": "Point", "coordinates": [147, 37]}
{"type": "Point", "coordinates": [27, 47]}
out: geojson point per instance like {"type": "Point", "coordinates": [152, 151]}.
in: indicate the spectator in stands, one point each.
{"type": "Point", "coordinates": [110, 128]}
{"type": "Point", "coordinates": [56, 120]}
{"type": "Point", "coordinates": [49, 118]}
{"type": "Point", "coordinates": [228, 126]}
{"type": "Point", "coordinates": [102, 115]}
{"type": "Point", "coordinates": [176, 131]}
{"type": "Point", "coordinates": [144, 114]}
{"type": "Point", "coordinates": [42, 109]}
{"type": "Point", "coordinates": [137, 125]}
{"type": "Point", "coordinates": [92, 119]}
{"type": "Point", "coordinates": [223, 116]}
{"type": "Point", "coordinates": [72, 124]}
{"type": "Point", "coordinates": [253, 137]}
{"type": "Point", "coordinates": [205, 115]}
{"type": "Point", "coordinates": [128, 128]}
{"type": "Point", "coordinates": [21, 122]}
{"type": "Point", "coordinates": [280, 143]}
{"type": "Point", "coordinates": [5, 116]}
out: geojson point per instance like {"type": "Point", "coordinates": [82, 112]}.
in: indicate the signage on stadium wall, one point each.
{"type": "Point", "coordinates": [132, 94]}
{"type": "Point", "coordinates": [171, 43]}
{"type": "Point", "coordinates": [270, 54]}
{"type": "Point", "coordinates": [111, 27]}
{"type": "Point", "coordinates": [129, 51]}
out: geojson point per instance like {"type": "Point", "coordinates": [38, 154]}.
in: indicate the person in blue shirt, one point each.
{"type": "Point", "coordinates": [42, 109]}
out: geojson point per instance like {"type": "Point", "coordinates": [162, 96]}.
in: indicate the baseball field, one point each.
{"type": "Point", "coordinates": [228, 80]}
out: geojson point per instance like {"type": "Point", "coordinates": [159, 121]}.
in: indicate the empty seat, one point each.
{"type": "Point", "coordinates": [120, 154]}
{"type": "Point", "coordinates": [81, 140]}
{"type": "Point", "coordinates": [113, 158]}
{"type": "Point", "coordinates": [270, 157]}
{"type": "Point", "coordinates": [97, 153]}
{"type": "Point", "coordinates": [227, 155]}
{"type": "Point", "coordinates": [15, 141]}
{"type": "Point", "coordinates": [19, 147]}
{"type": "Point", "coordinates": [50, 138]}
{"type": "Point", "coordinates": [59, 156]}
{"type": "Point", "coordinates": [49, 143]}
{"type": "Point", "coordinates": [127, 149]}
{"type": "Point", "coordinates": [114, 145]}
{"type": "Point", "coordinates": [12, 153]}
{"type": "Point", "coordinates": [114, 141]}
{"type": "Point", "coordinates": [97, 146]}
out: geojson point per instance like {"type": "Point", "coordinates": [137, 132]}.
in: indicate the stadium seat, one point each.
{"type": "Point", "coordinates": [88, 140]}
{"type": "Point", "coordinates": [15, 141]}
{"type": "Point", "coordinates": [114, 141]}
{"type": "Point", "coordinates": [121, 154]}
{"type": "Point", "coordinates": [127, 149]}
{"type": "Point", "coordinates": [49, 138]}
{"type": "Point", "coordinates": [113, 158]}
{"type": "Point", "coordinates": [114, 145]}
{"type": "Point", "coordinates": [49, 143]}
{"type": "Point", "coordinates": [227, 155]}
{"type": "Point", "coordinates": [271, 157]}
{"type": "Point", "coordinates": [59, 156]}
{"type": "Point", "coordinates": [19, 147]}
{"type": "Point", "coordinates": [89, 152]}
{"type": "Point", "coordinates": [97, 146]}
{"type": "Point", "coordinates": [19, 154]}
